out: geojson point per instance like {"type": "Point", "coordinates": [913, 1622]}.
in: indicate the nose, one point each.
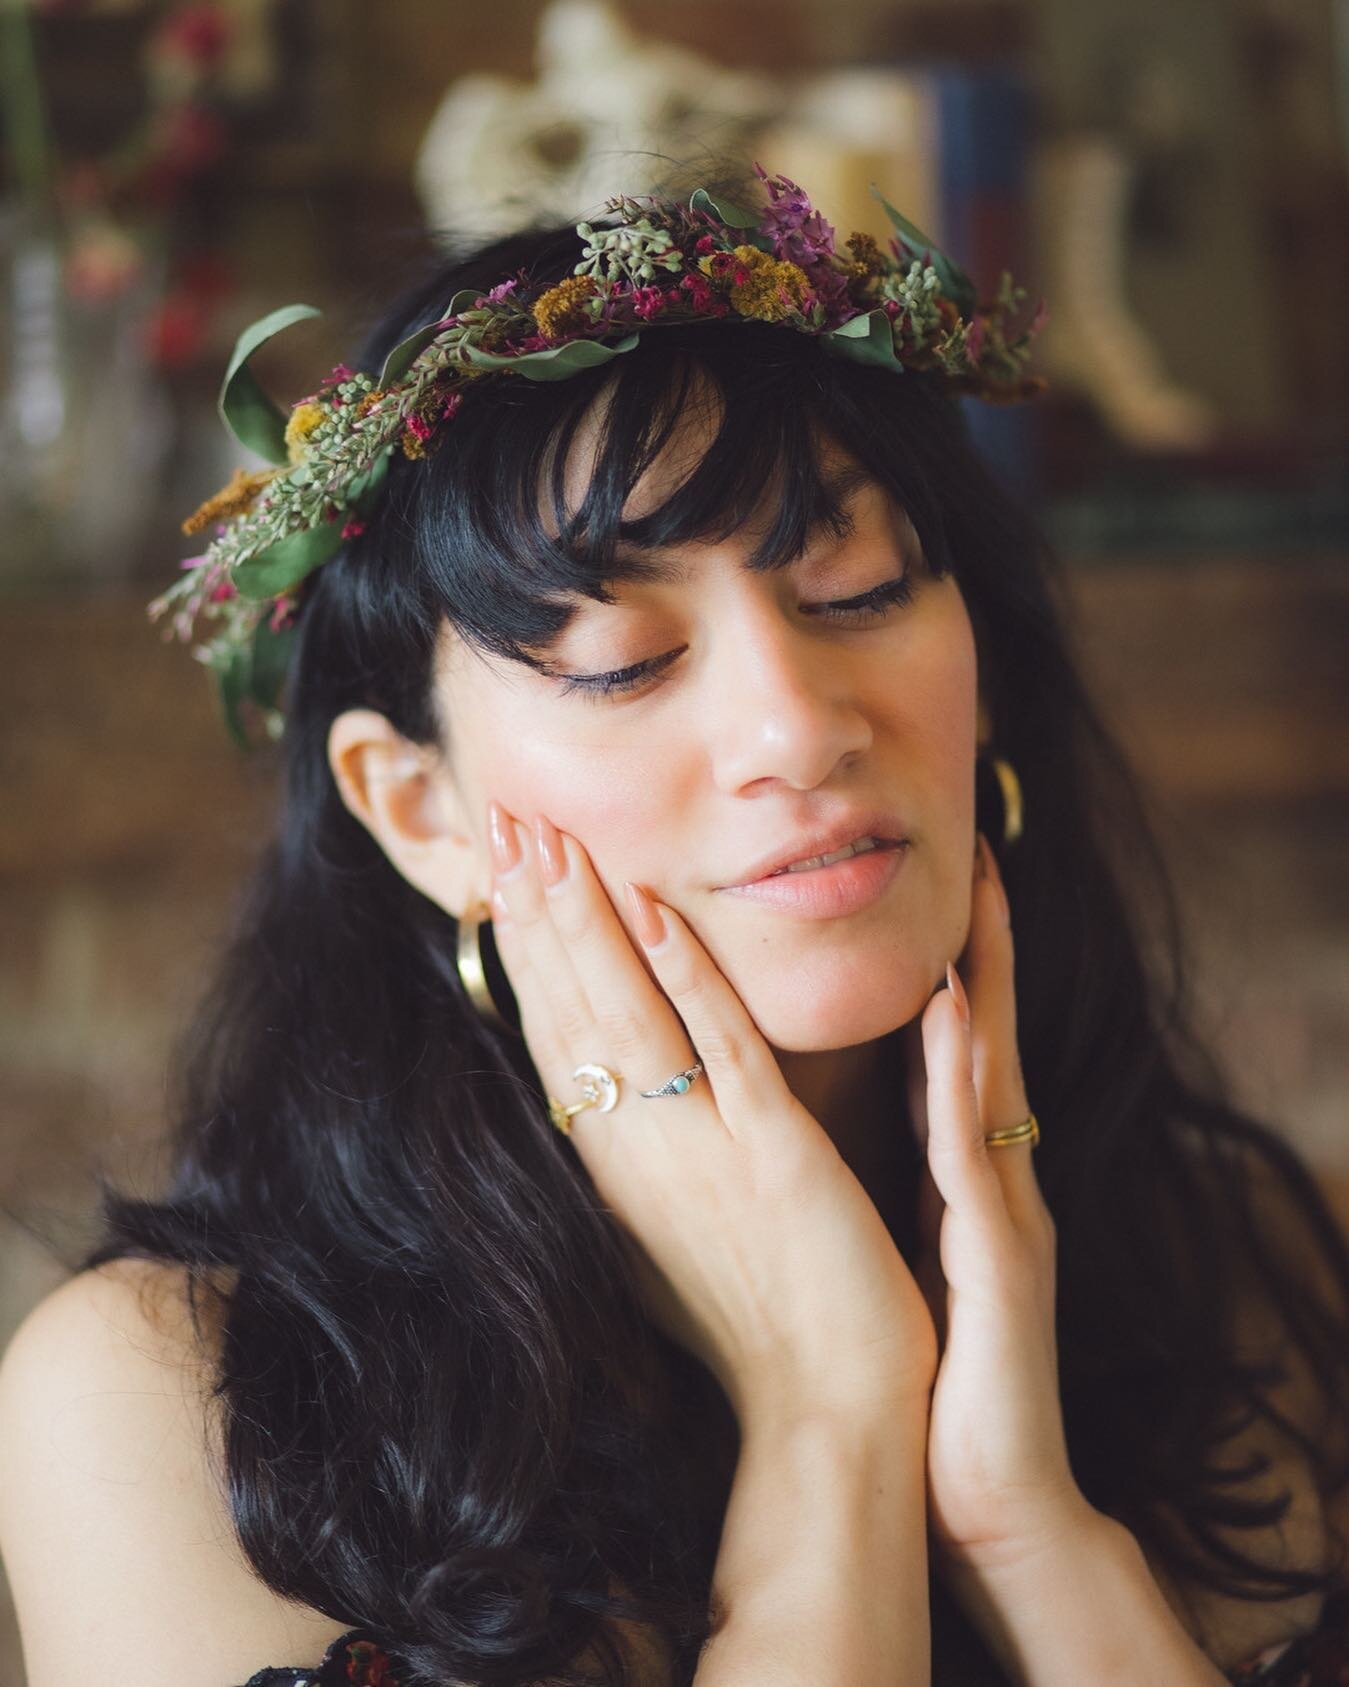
{"type": "Point", "coordinates": [787, 709]}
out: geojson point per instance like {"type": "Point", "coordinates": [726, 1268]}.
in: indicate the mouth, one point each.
{"type": "Point", "coordinates": [821, 888]}
{"type": "Point", "coordinates": [818, 863]}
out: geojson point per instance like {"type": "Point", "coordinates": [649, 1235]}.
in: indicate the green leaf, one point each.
{"type": "Point", "coordinates": [554, 363]}
{"type": "Point", "coordinates": [232, 681]}
{"type": "Point", "coordinates": [245, 408]}
{"type": "Point", "coordinates": [724, 210]}
{"type": "Point", "coordinates": [287, 561]}
{"type": "Point", "coordinates": [270, 661]}
{"type": "Point", "coordinates": [866, 339]}
{"type": "Point", "coordinates": [465, 299]}
{"type": "Point", "coordinates": [956, 285]}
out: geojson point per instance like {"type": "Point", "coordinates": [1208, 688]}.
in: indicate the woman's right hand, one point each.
{"type": "Point", "coordinates": [758, 1249]}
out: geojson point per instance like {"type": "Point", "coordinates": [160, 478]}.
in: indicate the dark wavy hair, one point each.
{"type": "Point", "coordinates": [447, 1417]}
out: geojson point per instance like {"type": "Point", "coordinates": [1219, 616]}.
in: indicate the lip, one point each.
{"type": "Point", "coordinates": [862, 824]}
{"type": "Point", "coordinates": [826, 893]}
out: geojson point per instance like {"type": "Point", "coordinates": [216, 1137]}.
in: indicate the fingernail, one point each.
{"type": "Point", "coordinates": [505, 845]}
{"type": "Point", "coordinates": [645, 915]}
{"type": "Point", "coordinates": [552, 856]}
{"type": "Point", "coordinates": [957, 989]}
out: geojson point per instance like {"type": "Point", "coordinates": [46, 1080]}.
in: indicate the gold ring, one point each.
{"type": "Point", "coordinates": [1027, 1131]}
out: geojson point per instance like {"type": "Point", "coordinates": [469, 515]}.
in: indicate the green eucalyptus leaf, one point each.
{"type": "Point", "coordinates": [232, 682]}
{"type": "Point", "coordinates": [554, 363]}
{"type": "Point", "coordinates": [287, 561]}
{"type": "Point", "coordinates": [270, 661]}
{"type": "Point", "coordinates": [956, 285]}
{"type": "Point", "coordinates": [403, 355]}
{"type": "Point", "coordinates": [866, 339]}
{"type": "Point", "coordinates": [252, 417]}
{"type": "Point", "coordinates": [724, 210]}
{"type": "Point", "coordinates": [465, 299]}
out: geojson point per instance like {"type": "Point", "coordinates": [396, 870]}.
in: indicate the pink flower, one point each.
{"type": "Point", "coordinates": [420, 426]}
{"type": "Point", "coordinates": [192, 562]}
{"type": "Point", "coordinates": [704, 244]}
{"type": "Point", "coordinates": [452, 403]}
{"type": "Point", "coordinates": [702, 297]}
{"type": "Point", "coordinates": [283, 613]}
{"type": "Point", "coordinates": [502, 290]}
{"type": "Point", "coordinates": [648, 302]}
{"type": "Point", "coordinates": [352, 528]}
{"type": "Point", "coordinates": [222, 593]}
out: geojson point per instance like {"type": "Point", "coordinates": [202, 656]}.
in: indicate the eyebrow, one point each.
{"type": "Point", "coordinates": [646, 563]}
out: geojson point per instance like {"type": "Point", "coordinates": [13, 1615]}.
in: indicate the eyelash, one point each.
{"type": "Point", "coordinates": [876, 601]}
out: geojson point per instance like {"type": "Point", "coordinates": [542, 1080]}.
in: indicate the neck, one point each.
{"type": "Point", "coordinates": [857, 1094]}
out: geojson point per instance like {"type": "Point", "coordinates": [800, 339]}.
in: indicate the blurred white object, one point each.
{"type": "Point", "coordinates": [1092, 341]}
{"type": "Point", "coordinates": [608, 113]}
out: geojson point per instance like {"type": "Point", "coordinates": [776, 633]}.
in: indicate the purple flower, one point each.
{"type": "Point", "coordinates": [798, 232]}
{"type": "Point", "coordinates": [502, 290]}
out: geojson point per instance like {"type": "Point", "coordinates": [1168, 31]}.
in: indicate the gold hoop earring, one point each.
{"type": "Point", "coordinates": [1000, 805]}
{"type": "Point", "coordinates": [1012, 801]}
{"type": "Point", "coordinates": [468, 962]}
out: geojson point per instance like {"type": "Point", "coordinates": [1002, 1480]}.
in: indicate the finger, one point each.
{"type": "Point", "coordinates": [741, 1067]}
{"type": "Point", "coordinates": [957, 1155]}
{"type": "Point", "coordinates": [989, 973]}
{"type": "Point", "coordinates": [553, 975]}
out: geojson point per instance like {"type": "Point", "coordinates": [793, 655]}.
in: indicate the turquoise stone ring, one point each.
{"type": "Point", "coordinates": [681, 1082]}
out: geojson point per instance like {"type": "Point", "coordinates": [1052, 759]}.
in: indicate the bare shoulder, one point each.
{"type": "Point", "coordinates": [1314, 1530]}
{"type": "Point", "coordinates": [113, 1524]}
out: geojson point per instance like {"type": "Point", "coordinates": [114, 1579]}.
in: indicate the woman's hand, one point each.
{"type": "Point", "coordinates": [999, 1479]}
{"type": "Point", "coordinates": [758, 1249]}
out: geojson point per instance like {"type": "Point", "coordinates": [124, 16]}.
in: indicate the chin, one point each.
{"type": "Point", "coordinates": [823, 1011]}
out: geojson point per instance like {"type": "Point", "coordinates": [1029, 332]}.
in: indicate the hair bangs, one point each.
{"type": "Point", "coordinates": [507, 558]}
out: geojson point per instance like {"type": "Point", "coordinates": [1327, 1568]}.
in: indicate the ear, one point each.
{"type": "Point", "coordinates": [404, 795]}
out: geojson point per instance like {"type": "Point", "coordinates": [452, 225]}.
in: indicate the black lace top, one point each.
{"type": "Point", "coordinates": [1319, 1658]}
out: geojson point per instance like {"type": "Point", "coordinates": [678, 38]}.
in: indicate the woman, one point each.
{"type": "Point", "coordinates": [665, 1289]}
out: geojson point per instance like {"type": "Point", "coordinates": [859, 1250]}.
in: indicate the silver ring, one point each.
{"type": "Point", "coordinates": [680, 1083]}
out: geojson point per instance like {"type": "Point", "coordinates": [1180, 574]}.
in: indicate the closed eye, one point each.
{"type": "Point", "coordinates": [869, 605]}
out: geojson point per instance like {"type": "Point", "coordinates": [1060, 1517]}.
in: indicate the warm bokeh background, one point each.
{"type": "Point", "coordinates": [1172, 179]}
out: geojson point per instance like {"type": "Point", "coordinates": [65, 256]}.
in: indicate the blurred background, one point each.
{"type": "Point", "coordinates": [1173, 180]}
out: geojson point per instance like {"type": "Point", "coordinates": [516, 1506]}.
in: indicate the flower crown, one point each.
{"type": "Point", "coordinates": [645, 263]}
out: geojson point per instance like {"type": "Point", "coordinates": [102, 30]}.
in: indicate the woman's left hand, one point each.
{"type": "Point", "coordinates": [999, 1481]}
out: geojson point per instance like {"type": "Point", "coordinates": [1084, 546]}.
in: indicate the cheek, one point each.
{"type": "Point", "coordinates": [606, 800]}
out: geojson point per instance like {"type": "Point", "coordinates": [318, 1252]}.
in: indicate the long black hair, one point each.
{"type": "Point", "coordinates": [446, 1416]}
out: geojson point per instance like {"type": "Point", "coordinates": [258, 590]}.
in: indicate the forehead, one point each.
{"type": "Point", "coordinates": [691, 433]}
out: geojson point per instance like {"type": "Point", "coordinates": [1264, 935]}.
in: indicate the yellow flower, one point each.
{"type": "Point", "coordinates": [772, 288]}
{"type": "Point", "coordinates": [231, 500]}
{"type": "Point", "coordinates": [304, 418]}
{"type": "Point", "coordinates": [867, 258]}
{"type": "Point", "coordinates": [561, 311]}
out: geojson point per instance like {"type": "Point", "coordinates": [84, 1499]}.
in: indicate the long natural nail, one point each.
{"type": "Point", "coordinates": [552, 856]}
{"type": "Point", "coordinates": [646, 915]}
{"type": "Point", "coordinates": [505, 845]}
{"type": "Point", "coordinates": [957, 989]}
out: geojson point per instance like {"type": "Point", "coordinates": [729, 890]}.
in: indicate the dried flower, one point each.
{"type": "Point", "coordinates": [771, 288]}
{"type": "Point", "coordinates": [304, 418]}
{"type": "Point", "coordinates": [231, 500]}
{"type": "Point", "coordinates": [565, 310]}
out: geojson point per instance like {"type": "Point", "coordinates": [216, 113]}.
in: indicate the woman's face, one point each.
{"type": "Point", "coordinates": [769, 722]}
